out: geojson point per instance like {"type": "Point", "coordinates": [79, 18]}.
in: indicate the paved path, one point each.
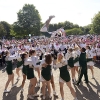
{"type": "Point", "coordinates": [84, 92]}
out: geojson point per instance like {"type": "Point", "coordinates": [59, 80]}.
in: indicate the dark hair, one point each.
{"type": "Point", "coordinates": [48, 59]}
{"type": "Point", "coordinates": [31, 52]}
{"type": "Point", "coordinates": [70, 49]}
{"type": "Point", "coordinates": [23, 57]}
{"type": "Point", "coordinates": [89, 47]}
{"type": "Point", "coordinates": [83, 49]}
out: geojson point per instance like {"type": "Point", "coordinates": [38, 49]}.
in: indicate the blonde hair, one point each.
{"type": "Point", "coordinates": [59, 59]}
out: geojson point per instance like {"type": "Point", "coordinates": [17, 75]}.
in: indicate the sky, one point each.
{"type": "Point", "coordinates": [76, 11]}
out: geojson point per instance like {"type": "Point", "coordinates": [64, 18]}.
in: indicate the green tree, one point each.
{"type": "Point", "coordinates": [5, 28]}
{"type": "Point", "coordinates": [28, 21]}
{"type": "Point", "coordinates": [74, 31]}
{"type": "Point", "coordinates": [2, 30]}
{"type": "Point", "coordinates": [87, 29]}
{"type": "Point", "coordinates": [96, 24]}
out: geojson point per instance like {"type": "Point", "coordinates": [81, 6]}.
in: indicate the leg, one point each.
{"type": "Point", "coordinates": [48, 21]}
{"type": "Point", "coordinates": [91, 68]}
{"type": "Point", "coordinates": [8, 81]}
{"type": "Point", "coordinates": [61, 89]}
{"type": "Point", "coordinates": [80, 75]}
{"type": "Point", "coordinates": [12, 80]}
{"type": "Point", "coordinates": [23, 82]}
{"type": "Point", "coordinates": [73, 74]}
{"type": "Point", "coordinates": [17, 72]}
{"type": "Point", "coordinates": [49, 88]}
{"type": "Point", "coordinates": [52, 83]}
{"type": "Point", "coordinates": [46, 25]}
{"type": "Point", "coordinates": [38, 71]}
{"type": "Point", "coordinates": [86, 76]}
{"type": "Point", "coordinates": [43, 87]}
{"type": "Point", "coordinates": [33, 84]}
{"type": "Point", "coordinates": [71, 89]}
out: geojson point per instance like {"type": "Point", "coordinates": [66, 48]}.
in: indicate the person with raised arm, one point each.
{"type": "Point", "coordinates": [83, 66]}
{"type": "Point", "coordinates": [64, 77]}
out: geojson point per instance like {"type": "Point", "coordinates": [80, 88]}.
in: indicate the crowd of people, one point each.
{"type": "Point", "coordinates": [74, 53]}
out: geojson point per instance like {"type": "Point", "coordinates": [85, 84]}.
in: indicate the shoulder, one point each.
{"type": "Point", "coordinates": [43, 61]}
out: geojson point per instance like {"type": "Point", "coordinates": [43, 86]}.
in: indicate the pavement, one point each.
{"type": "Point", "coordinates": [83, 91]}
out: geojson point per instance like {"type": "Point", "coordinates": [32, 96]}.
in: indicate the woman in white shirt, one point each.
{"type": "Point", "coordinates": [70, 58]}
{"type": "Point", "coordinates": [30, 76]}
{"type": "Point", "coordinates": [36, 63]}
{"type": "Point", "coordinates": [90, 62]}
{"type": "Point", "coordinates": [9, 70]}
{"type": "Point", "coordinates": [64, 75]}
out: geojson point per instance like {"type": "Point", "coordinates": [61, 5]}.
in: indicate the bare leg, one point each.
{"type": "Point", "coordinates": [32, 88]}
{"type": "Point", "coordinates": [17, 71]}
{"type": "Point", "coordinates": [91, 68]}
{"type": "Point", "coordinates": [23, 82]}
{"type": "Point", "coordinates": [8, 81]}
{"type": "Point", "coordinates": [61, 89]}
{"type": "Point", "coordinates": [46, 25]}
{"type": "Point", "coordinates": [71, 89]}
{"type": "Point", "coordinates": [49, 88]}
{"type": "Point", "coordinates": [52, 83]}
{"type": "Point", "coordinates": [12, 80]}
{"type": "Point", "coordinates": [43, 88]}
{"type": "Point", "coordinates": [38, 71]}
{"type": "Point", "coordinates": [73, 73]}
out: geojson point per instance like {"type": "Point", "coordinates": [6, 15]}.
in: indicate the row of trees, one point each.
{"type": "Point", "coordinates": [29, 22]}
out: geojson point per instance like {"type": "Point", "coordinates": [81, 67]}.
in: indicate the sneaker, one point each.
{"type": "Point", "coordinates": [13, 85]}
{"type": "Point", "coordinates": [50, 97]}
{"type": "Point", "coordinates": [6, 91]}
{"type": "Point", "coordinates": [30, 97]}
{"type": "Point", "coordinates": [35, 95]}
{"type": "Point", "coordinates": [55, 94]}
{"type": "Point", "coordinates": [93, 77]}
{"type": "Point", "coordinates": [77, 83]}
{"type": "Point", "coordinates": [44, 97]}
{"type": "Point", "coordinates": [75, 99]}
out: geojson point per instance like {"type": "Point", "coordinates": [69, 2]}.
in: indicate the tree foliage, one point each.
{"type": "Point", "coordinates": [96, 24]}
{"type": "Point", "coordinates": [5, 29]}
{"type": "Point", "coordinates": [28, 21]}
{"type": "Point", "coordinates": [74, 31]}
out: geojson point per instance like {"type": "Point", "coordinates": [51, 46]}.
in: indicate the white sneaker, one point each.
{"type": "Point", "coordinates": [6, 91]}
{"type": "Point", "coordinates": [13, 85]}
{"type": "Point", "coordinates": [55, 94]}
{"type": "Point", "coordinates": [30, 97]}
{"type": "Point", "coordinates": [36, 95]}
{"type": "Point", "coordinates": [50, 97]}
{"type": "Point", "coordinates": [43, 97]}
